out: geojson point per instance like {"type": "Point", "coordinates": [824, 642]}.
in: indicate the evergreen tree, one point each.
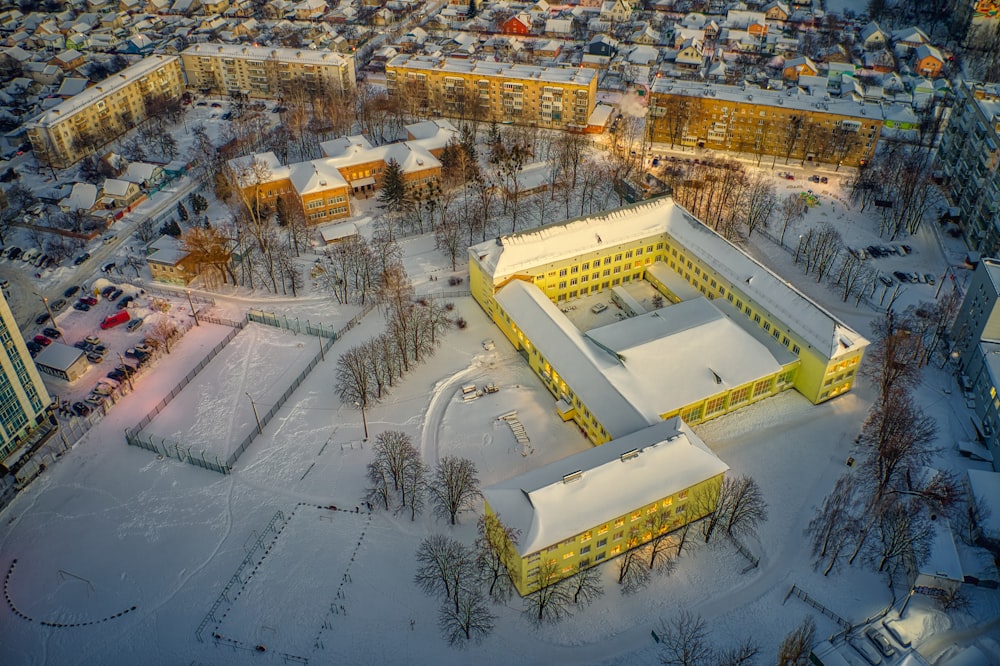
{"type": "Point", "coordinates": [394, 195]}
{"type": "Point", "coordinates": [171, 228]}
{"type": "Point", "coordinates": [182, 211]}
{"type": "Point", "coordinates": [473, 9]}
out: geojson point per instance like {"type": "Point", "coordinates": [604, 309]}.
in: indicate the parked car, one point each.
{"type": "Point", "coordinates": [82, 258]}
{"type": "Point", "coordinates": [107, 290]}
{"type": "Point", "coordinates": [145, 349]}
{"type": "Point", "coordinates": [113, 320]}
{"type": "Point", "coordinates": [116, 375]}
{"type": "Point", "coordinates": [107, 381]}
{"type": "Point", "coordinates": [31, 255]}
{"type": "Point", "coordinates": [107, 268]}
{"type": "Point", "coordinates": [108, 240]}
{"type": "Point", "coordinates": [80, 305]}
{"type": "Point", "coordinates": [42, 318]}
{"type": "Point", "coordinates": [115, 294]}
{"type": "Point", "coordinates": [82, 344]}
{"type": "Point", "coordinates": [885, 279]}
{"type": "Point", "coordinates": [95, 399]}
{"type": "Point", "coordinates": [880, 641]}
{"type": "Point", "coordinates": [99, 349]}
{"type": "Point", "coordinates": [58, 304]}
{"type": "Point", "coordinates": [14, 253]}
{"type": "Point", "coordinates": [901, 276]}
{"type": "Point", "coordinates": [126, 369]}
{"type": "Point", "coordinates": [8, 251]}
{"type": "Point", "coordinates": [102, 389]}
{"type": "Point", "coordinates": [42, 340]}
{"type": "Point", "coordinates": [94, 357]}
{"type": "Point", "coordinates": [4, 284]}
{"type": "Point", "coordinates": [136, 354]}
{"type": "Point", "coordinates": [152, 342]}
{"type": "Point", "coordinates": [824, 179]}
{"type": "Point", "coordinates": [929, 278]}
{"type": "Point", "coordinates": [134, 324]}
{"type": "Point", "coordinates": [41, 261]}
{"type": "Point", "coordinates": [89, 300]}
{"type": "Point", "coordinates": [81, 409]}
{"type": "Point", "coordinates": [122, 304]}
{"type": "Point", "coordinates": [71, 292]}
{"type": "Point", "coordinates": [92, 339]}
{"type": "Point", "coordinates": [33, 348]}
{"type": "Point", "coordinates": [51, 332]}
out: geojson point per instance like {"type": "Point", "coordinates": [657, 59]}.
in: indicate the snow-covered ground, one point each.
{"type": "Point", "coordinates": [111, 528]}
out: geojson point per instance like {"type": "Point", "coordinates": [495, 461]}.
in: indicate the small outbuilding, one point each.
{"type": "Point", "coordinates": [62, 361]}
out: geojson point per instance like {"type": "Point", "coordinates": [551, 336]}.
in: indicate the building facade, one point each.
{"type": "Point", "coordinates": [262, 72]}
{"type": "Point", "coordinates": [552, 97]}
{"type": "Point", "coordinates": [782, 124]}
{"type": "Point", "coordinates": [976, 339]}
{"type": "Point", "coordinates": [69, 131]}
{"type": "Point", "coordinates": [590, 507]}
{"type": "Point", "coordinates": [24, 402]}
{"type": "Point", "coordinates": [798, 344]}
{"type": "Point", "coordinates": [969, 156]}
{"type": "Point", "coordinates": [352, 166]}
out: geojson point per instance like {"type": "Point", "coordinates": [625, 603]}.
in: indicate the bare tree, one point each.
{"type": "Point", "coordinates": [903, 533]}
{"type": "Point", "coordinates": [469, 619]}
{"type": "Point", "coordinates": [378, 476]}
{"type": "Point", "coordinates": [455, 487]}
{"type": "Point", "coordinates": [794, 649]}
{"type": "Point", "coordinates": [448, 235]}
{"type": "Point", "coordinates": [893, 358]}
{"type": "Point", "coordinates": [741, 654]}
{"type": "Point", "coordinates": [444, 566]}
{"type": "Point", "coordinates": [413, 486]}
{"type": "Point", "coordinates": [834, 525]}
{"type": "Point", "coordinates": [355, 383]}
{"type": "Point", "coordinates": [494, 546]}
{"type": "Point", "coordinates": [633, 575]}
{"type": "Point", "coordinates": [585, 586]}
{"type": "Point", "coordinates": [792, 209]}
{"type": "Point", "coordinates": [164, 332]}
{"type": "Point", "coordinates": [746, 508]}
{"type": "Point", "coordinates": [551, 601]}
{"type": "Point", "coordinates": [684, 641]}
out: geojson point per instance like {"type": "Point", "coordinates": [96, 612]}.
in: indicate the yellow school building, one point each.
{"type": "Point", "coordinates": [725, 332]}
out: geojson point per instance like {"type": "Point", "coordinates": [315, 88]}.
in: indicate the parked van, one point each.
{"type": "Point", "coordinates": [113, 320]}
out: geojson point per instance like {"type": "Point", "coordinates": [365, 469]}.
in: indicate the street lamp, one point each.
{"type": "Point", "coordinates": [364, 419]}
{"type": "Point", "coordinates": [45, 301]}
{"type": "Point", "coordinates": [260, 431]}
{"type": "Point", "coordinates": [193, 311]}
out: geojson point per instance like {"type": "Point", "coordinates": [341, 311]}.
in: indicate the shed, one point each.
{"type": "Point", "coordinates": [62, 361]}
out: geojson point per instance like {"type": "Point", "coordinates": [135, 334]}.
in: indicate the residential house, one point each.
{"type": "Point", "coordinates": [68, 60]}
{"type": "Point", "coordinates": [117, 193]}
{"type": "Point", "coordinates": [169, 262]}
{"type": "Point", "coordinates": [872, 37]}
{"type": "Point", "coordinates": [615, 11]}
{"type": "Point", "coordinates": [797, 67]}
{"type": "Point", "coordinates": [519, 24]}
{"type": "Point", "coordinates": [928, 60]}
{"type": "Point", "coordinates": [907, 39]}
{"type": "Point", "coordinates": [144, 174]}
{"type": "Point", "coordinates": [777, 11]}
{"type": "Point", "coordinates": [691, 54]}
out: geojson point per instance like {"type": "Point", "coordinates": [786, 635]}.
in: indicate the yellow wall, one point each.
{"type": "Point", "coordinates": [605, 541]}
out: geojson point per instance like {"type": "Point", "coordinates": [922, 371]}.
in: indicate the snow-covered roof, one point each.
{"type": "Point", "coordinates": [630, 372]}
{"type": "Point", "coordinates": [614, 479]}
{"type": "Point", "coordinates": [580, 76]}
{"type": "Point", "coordinates": [524, 252]}
{"type": "Point", "coordinates": [114, 187]}
{"type": "Point", "coordinates": [338, 231]}
{"type": "Point", "coordinates": [141, 172]}
{"type": "Point", "coordinates": [315, 176]}
{"type": "Point", "coordinates": [985, 488]}
{"type": "Point", "coordinates": [59, 356]}
{"type": "Point", "coordinates": [82, 197]}
{"type": "Point", "coordinates": [942, 556]}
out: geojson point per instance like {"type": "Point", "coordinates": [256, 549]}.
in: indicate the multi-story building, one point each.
{"type": "Point", "coordinates": [976, 339]}
{"type": "Point", "coordinates": [264, 72]}
{"type": "Point", "coordinates": [969, 156]}
{"type": "Point", "coordinates": [591, 507]}
{"type": "Point", "coordinates": [24, 403]}
{"type": "Point", "coordinates": [784, 124]}
{"type": "Point", "coordinates": [352, 166]}
{"type": "Point", "coordinates": [735, 332]}
{"type": "Point", "coordinates": [553, 97]}
{"type": "Point", "coordinates": [69, 131]}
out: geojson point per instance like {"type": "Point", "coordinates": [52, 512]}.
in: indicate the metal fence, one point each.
{"type": "Point", "coordinates": [294, 324]}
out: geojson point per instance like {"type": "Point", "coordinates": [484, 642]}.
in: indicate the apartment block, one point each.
{"type": "Point", "coordinates": [67, 132]}
{"type": "Point", "coordinates": [264, 72]}
{"type": "Point", "coordinates": [969, 156]}
{"type": "Point", "coordinates": [785, 124]}
{"type": "Point", "coordinates": [590, 507]}
{"type": "Point", "coordinates": [24, 402]}
{"type": "Point", "coordinates": [552, 97]}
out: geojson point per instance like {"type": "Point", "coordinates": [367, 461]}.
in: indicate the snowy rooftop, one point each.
{"type": "Point", "coordinates": [244, 52]}
{"type": "Point", "coordinates": [105, 88]}
{"type": "Point", "coordinates": [790, 98]}
{"type": "Point", "coordinates": [546, 509]}
{"type": "Point", "coordinates": [986, 489]}
{"type": "Point", "coordinates": [59, 356]}
{"type": "Point", "coordinates": [942, 558]}
{"type": "Point", "coordinates": [526, 251]}
{"type": "Point", "coordinates": [581, 76]}
{"type": "Point", "coordinates": [630, 372]}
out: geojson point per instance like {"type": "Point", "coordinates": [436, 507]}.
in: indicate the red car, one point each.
{"type": "Point", "coordinates": [42, 340]}
{"type": "Point", "coordinates": [89, 300]}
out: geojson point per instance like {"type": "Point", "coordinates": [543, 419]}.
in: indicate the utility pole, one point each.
{"type": "Point", "coordinates": [193, 311]}
{"type": "Point", "coordinates": [260, 431]}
